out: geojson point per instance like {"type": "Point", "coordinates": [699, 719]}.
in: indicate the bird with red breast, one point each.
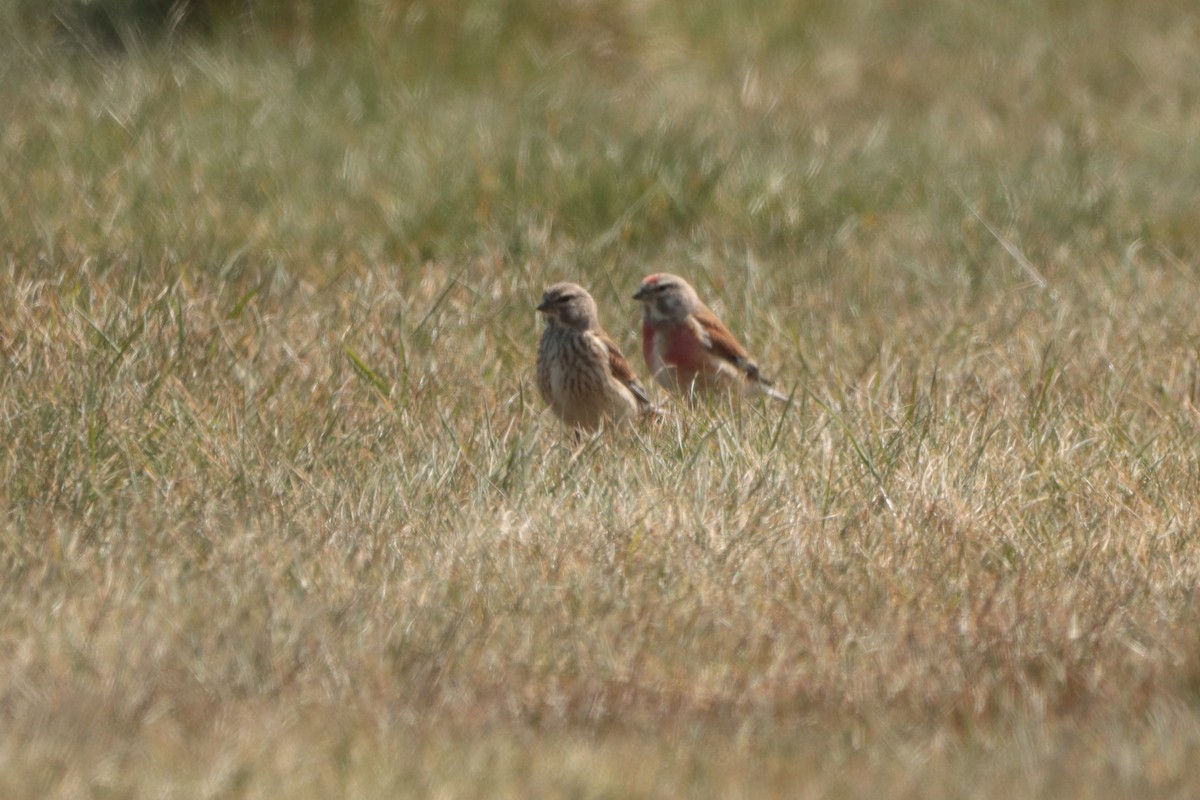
{"type": "Point", "coordinates": [688, 349]}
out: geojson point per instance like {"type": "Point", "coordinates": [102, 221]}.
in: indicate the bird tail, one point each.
{"type": "Point", "coordinates": [761, 384]}
{"type": "Point", "coordinates": [772, 392]}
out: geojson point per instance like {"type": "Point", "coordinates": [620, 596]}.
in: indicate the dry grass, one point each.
{"type": "Point", "coordinates": [283, 515]}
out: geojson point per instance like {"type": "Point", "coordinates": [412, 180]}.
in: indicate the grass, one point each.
{"type": "Point", "coordinates": [283, 513]}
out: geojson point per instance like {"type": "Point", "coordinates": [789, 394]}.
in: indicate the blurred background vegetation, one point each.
{"type": "Point", "coordinates": [620, 128]}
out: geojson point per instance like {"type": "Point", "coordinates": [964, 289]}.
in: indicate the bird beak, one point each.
{"type": "Point", "coordinates": [544, 306]}
{"type": "Point", "coordinates": [640, 294]}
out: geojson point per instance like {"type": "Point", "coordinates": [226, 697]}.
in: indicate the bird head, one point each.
{"type": "Point", "coordinates": [570, 306]}
{"type": "Point", "coordinates": [667, 298]}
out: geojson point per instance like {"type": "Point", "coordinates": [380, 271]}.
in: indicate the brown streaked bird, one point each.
{"type": "Point", "coordinates": [581, 373]}
{"type": "Point", "coordinates": [687, 349]}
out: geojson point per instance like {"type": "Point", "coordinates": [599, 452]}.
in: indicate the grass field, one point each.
{"type": "Point", "coordinates": [283, 515]}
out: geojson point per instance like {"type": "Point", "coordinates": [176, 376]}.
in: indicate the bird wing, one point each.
{"type": "Point", "coordinates": [621, 370]}
{"type": "Point", "coordinates": [717, 339]}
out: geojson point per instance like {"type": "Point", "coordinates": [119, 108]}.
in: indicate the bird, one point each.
{"type": "Point", "coordinates": [688, 349]}
{"type": "Point", "coordinates": [581, 373]}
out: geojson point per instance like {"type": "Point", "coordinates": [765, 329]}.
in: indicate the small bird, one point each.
{"type": "Point", "coordinates": [581, 373]}
{"type": "Point", "coordinates": [687, 348]}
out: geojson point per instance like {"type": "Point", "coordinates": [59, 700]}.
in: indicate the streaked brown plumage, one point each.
{"type": "Point", "coordinates": [688, 349]}
{"type": "Point", "coordinates": [581, 373]}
